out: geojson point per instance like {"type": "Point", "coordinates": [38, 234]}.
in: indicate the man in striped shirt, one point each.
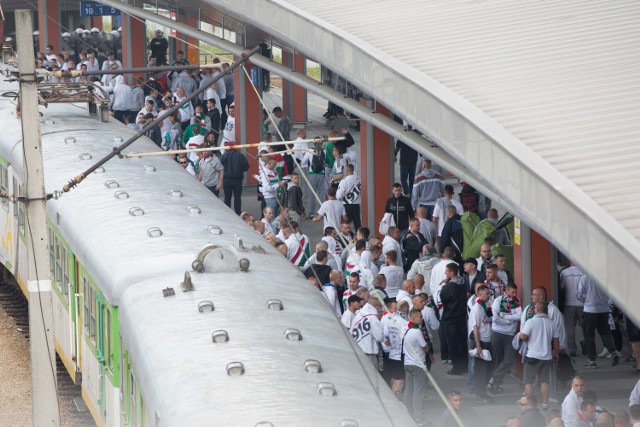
{"type": "Point", "coordinates": [427, 188]}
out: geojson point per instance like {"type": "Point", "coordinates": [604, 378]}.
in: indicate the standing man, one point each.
{"type": "Point", "coordinates": [440, 208]}
{"type": "Point", "coordinates": [530, 416]}
{"type": "Point", "coordinates": [539, 333]}
{"type": "Point", "coordinates": [393, 273]}
{"type": "Point", "coordinates": [354, 303]}
{"type": "Point", "coordinates": [427, 188]}
{"type": "Point", "coordinates": [453, 297]}
{"type": "Point", "coordinates": [235, 165]}
{"type": "Point", "coordinates": [331, 211]}
{"type": "Point", "coordinates": [447, 419]}
{"type": "Point", "coordinates": [571, 403]}
{"type": "Point", "coordinates": [349, 190]}
{"type": "Point", "coordinates": [211, 172]}
{"type": "Point", "coordinates": [452, 234]}
{"type": "Point", "coordinates": [270, 183]}
{"type": "Point", "coordinates": [408, 162]}
{"type": "Point", "coordinates": [416, 351]}
{"type": "Point", "coordinates": [471, 273]}
{"type": "Point", "coordinates": [284, 125]}
{"type": "Point", "coordinates": [423, 265]}
{"type": "Point", "coordinates": [595, 317]}
{"type": "Point", "coordinates": [506, 315]}
{"type": "Point", "coordinates": [480, 321]}
{"type": "Point", "coordinates": [413, 243]}
{"type": "Point", "coordinates": [229, 130]}
{"type": "Point", "coordinates": [399, 206]}
{"type": "Point", "coordinates": [366, 329]}
{"type": "Point", "coordinates": [158, 47]}
{"type": "Point", "coordinates": [573, 307]}
{"type": "Point", "coordinates": [427, 228]}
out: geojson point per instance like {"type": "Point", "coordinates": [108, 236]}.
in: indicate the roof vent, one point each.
{"type": "Point", "coordinates": [136, 211]}
{"type": "Point", "coordinates": [70, 140]}
{"type": "Point", "coordinates": [214, 230]}
{"type": "Point", "coordinates": [121, 194]}
{"type": "Point", "coordinates": [193, 210]}
{"type": "Point", "coordinates": [312, 366]}
{"type": "Point", "coordinates": [154, 232]}
{"type": "Point", "coordinates": [117, 139]}
{"type": "Point", "coordinates": [244, 264]}
{"type": "Point", "coordinates": [214, 259]}
{"type": "Point", "coordinates": [168, 292]}
{"type": "Point", "coordinates": [220, 337]}
{"type": "Point", "coordinates": [274, 304]}
{"type": "Point", "coordinates": [85, 156]}
{"type": "Point", "coordinates": [235, 369]}
{"type": "Point", "coordinates": [237, 242]}
{"type": "Point", "coordinates": [149, 168]}
{"type": "Point", "coordinates": [99, 169]}
{"type": "Point", "coordinates": [175, 193]}
{"type": "Point", "coordinates": [187, 286]}
{"type": "Point", "coordinates": [258, 249]}
{"type": "Point", "coordinates": [326, 389]}
{"type": "Point", "coordinates": [205, 306]}
{"type": "Point", "coordinates": [292, 334]}
{"type": "Point", "coordinates": [349, 423]}
{"type": "Point", "coordinates": [111, 183]}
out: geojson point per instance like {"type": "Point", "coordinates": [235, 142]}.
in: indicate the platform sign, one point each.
{"type": "Point", "coordinates": [89, 8]}
{"type": "Point", "coordinates": [516, 231]}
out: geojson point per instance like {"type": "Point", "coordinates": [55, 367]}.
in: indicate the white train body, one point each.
{"type": "Point", "coordinates": [146, 359]}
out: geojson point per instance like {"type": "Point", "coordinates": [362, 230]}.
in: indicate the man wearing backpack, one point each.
{"type": "Point", "coordinates": [315, 163]}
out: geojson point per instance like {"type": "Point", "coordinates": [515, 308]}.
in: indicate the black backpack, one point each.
{"type": "Point", "coordinates": [318, 162]}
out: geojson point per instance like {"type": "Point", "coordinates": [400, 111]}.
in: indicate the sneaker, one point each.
{"type": "Point", "coordinates": [630, 359]}
{"type": "Point", "coordinates": [604, 353]}
{"type": "Point", "coordinates": [615, 358]}
{"type": "Point", "coordinates": [444, 361]}
{"type": "Point", "coordinates": [494, 389]}
{"type": "Point", "coordinates": [590, 364]}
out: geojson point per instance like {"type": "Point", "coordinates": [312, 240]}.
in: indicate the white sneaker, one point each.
{"type": "Point", "coordinates": [604, 353]}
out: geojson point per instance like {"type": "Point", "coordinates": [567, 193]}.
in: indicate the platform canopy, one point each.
{"type": "Point", "coordinates": [538, 101]}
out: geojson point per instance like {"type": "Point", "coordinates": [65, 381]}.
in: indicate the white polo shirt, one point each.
{"type": "Point", "coordinates": [540, 331]}
{"type": "Point", "coordinates": [413, 344]}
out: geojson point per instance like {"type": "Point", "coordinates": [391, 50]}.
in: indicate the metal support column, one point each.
{"type": "Point", "coordinates": [43, 366]}
{"type": "Point", "coordinates": [370, 172]}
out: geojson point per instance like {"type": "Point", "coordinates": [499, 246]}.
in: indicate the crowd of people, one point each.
{"type": "Point", "coordinates": [395, 291]}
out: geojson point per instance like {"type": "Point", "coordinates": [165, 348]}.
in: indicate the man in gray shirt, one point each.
{"type": "Point", "coordinates": [596, 317]}
{"type": "Point", "coordinates": [284, 124]}
{"type": "Point", "coordinates": [211, 172]}
{"type": "Point", "coordinates": [573, 307]}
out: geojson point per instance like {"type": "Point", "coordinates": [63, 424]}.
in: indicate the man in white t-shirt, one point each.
{"type": "Point", "coordinates": [331, 211]}
{"type": "Point", "coordinates": [480, 321]}
{"type": "Point", "coordinates": [634, 397]}
{"type": "Point", "coordinates": [571, 403]}
{"type": "Point", "coordinates": [415, 351]}
{"type": "Point", "coordinates": [354, 303]}
{"type": "Point", "coordinates": [440, 208]}
{"type": "Point", "coordinates": [393, 272]}
{"type": "Point", "coordinates": [539, 332]}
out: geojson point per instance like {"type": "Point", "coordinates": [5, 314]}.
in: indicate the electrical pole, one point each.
{"type": "Point", "coordinates": [43, 361]}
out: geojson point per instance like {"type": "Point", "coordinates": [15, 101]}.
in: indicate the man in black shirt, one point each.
{"type": "Point", "coordinates": [158, 47]}
{"type": "Point", "coordinates": [399, 206]}
{"type": "Point", "coordinates": [454, 318]}
{"type": "Point", "coordinates": [408, 162]}
{"type": "Point", "coordinates": [235, 165]}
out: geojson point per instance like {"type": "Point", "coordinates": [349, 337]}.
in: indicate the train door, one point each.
{"type": "Point", "coordinates": [100, 351]}
{"type": "Point", "coordinates": [75, 308]}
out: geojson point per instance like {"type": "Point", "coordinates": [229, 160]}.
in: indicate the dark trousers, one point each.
{"type": "Point", "coordinates": [444, 347]}
{"type": "Point", "coordinates": [600, 322]}
{"type": "Point", "coordinates": [353, 214]}
{"type": "Point", "coordinates": [482, 371]}
{"type": "Point", "coordinates": [503, 356]}
{"type": "Point", "coordinates": [407, 175]}
{"type": "Point", "coordinates": [456, 334]}
{"type": "Point", "coordinates": [233, 187]}
{"type": "Point", "coordinates": [214, 191]}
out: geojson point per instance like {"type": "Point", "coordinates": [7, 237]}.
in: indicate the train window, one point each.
{"type": "Point", "coordinates": [4, 183]}
{"type": "Point", "coordinates": [14, 190]}
{"type": "Point", "coordinates": [108, 346]}
{"type": "Point", "coordinates": [65, 271]}
{"type": "Point", "coordinates": [52, 259]}
{"type": "Point", "coordinates": [58, 275]}
{"type": "Point", "coordinates": [89, 309]}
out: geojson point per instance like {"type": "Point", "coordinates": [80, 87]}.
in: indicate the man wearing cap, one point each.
{"type": "Point", "coordinates": [235, 165]}
{"type": "Point", "coordinates": [158, 47]}
{"type": "Point", "coordinates": [354, 303]}
{"type": "Point", "coordinates": [211, 171]}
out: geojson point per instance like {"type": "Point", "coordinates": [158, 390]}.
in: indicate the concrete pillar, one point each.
{"type": "Point", "coordinates": [294, 97]}
{"type": "Point", "coordinates": [248, 113]}
{"type": "Point", "coordinates": [134, 50]}
{"type": "Point", "coordinates": [96, 21]}
{"type": "Point", "coordinates": [376, 169]}
{"type": "Point", "coordinates": [48, 17]}
{"type": "Point", "coordinates": [192, 53]}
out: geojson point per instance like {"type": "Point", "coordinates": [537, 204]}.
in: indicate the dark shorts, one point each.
{"type": "Point", "coordinates": [633, 331]}
{"type": "Point", "coordinates": [397, 369]}
{"type": "Point", "coordinates": [536, 368]}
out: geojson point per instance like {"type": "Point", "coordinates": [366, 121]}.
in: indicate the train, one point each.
{"type": "Point", "coordinates": [168, 309]}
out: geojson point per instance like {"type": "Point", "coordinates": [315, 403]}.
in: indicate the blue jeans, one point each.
{"type": "Point", "coordinates": [407, 175]}
{"type": "Point", "coordinates": [272, 202]}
